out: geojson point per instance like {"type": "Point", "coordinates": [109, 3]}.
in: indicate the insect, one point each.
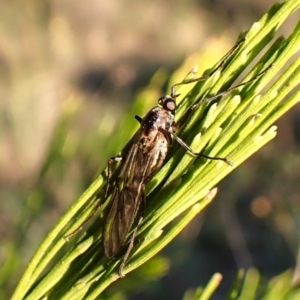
{"type": "Point", "coordinates": [143, 159]}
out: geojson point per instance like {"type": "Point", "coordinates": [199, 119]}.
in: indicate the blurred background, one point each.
{"type": "Point", "coordinates": [69, 71]}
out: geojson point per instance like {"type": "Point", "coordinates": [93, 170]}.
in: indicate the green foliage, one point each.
{"type": "Point", "coordinates": [250, 286]}
{"type": "Point", "coordinates": [235, 127]}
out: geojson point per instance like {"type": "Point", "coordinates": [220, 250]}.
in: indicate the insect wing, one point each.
{"type": "Point", "coordinates": [126, 199]}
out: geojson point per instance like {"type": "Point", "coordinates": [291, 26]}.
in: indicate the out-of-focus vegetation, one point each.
{"type": "Point", "coordinates": [68, 72]}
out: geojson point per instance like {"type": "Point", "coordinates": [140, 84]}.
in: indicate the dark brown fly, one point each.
{"type": "Point", "coordinates": [143, 160]}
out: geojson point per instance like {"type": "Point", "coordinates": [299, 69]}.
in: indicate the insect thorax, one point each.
{"type": "Point", "coordinates": [157, 118]}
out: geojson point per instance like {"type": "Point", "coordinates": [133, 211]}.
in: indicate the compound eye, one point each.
{"type": "Point", "coordinates": [169, 104]}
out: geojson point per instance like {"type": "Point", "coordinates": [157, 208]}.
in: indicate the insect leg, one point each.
{"type": "Point", "coordinates": [220, 94]}
{"type": "Point", "coordinates": [205, 77]}
{"type": "Point", "coordinates": [110, 161]}
{"type": "Point", "coordinates": [188, 148]}
{"type": "Point", "coordinates": [117, 158]}
{"type": "Point", "coordinates": [131, 244]}
{"type": "Point", "coordinates": [235, 87]}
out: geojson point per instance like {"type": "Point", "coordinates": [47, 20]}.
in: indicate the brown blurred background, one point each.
{"type": "Point", "coordinates": [69, 71]}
